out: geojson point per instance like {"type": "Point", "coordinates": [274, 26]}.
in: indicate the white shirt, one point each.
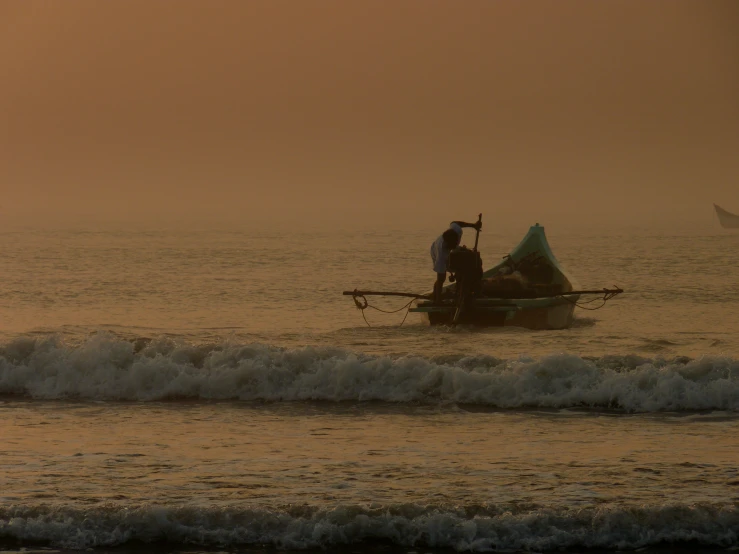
{"type": "Point", "coordinates": [439, 253]}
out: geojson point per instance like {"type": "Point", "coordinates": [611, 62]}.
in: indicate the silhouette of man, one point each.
{"type": "Point", "coordinates": [440, 249]}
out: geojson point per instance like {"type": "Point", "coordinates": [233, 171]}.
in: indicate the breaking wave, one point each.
{"type": "Point", "coordinates": [473, 528]}
{"type": "Point", "coordinates": [109, 368]}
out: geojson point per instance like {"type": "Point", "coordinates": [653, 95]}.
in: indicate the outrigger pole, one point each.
{"type": "Point", "coordinates": [610, 293]}
{"type": "Point", "coordinates": [356, 292]}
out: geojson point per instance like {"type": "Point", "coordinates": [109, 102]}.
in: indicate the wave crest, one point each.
{"type": "Point", "coordinates": [107, 368]}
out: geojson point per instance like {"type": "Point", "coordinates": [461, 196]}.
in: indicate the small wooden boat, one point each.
{"type": "Point", "coordinates": [528, 288]}
{"type": "Point", "coordinates": [727, 220]}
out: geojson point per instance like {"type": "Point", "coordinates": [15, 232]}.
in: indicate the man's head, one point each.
{"type": "Point", "coordinates": [451, 239]}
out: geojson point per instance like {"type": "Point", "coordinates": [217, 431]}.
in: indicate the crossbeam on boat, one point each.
{"type": "Point", "coordinates": [356, 292]}
{"type": "Point", "coordinates": [607, 292]}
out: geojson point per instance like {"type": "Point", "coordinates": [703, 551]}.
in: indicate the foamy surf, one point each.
{"type": "Point", "coordinates": [109, 368]}
{"type": "Point", "coordinates": [472, 528]}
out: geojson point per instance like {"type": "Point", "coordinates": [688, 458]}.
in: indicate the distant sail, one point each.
{"type": "Point", "coordinates": [728, 220]}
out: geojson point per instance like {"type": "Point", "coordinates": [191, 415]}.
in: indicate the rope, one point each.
{"type": "Point", "coordinates": [360, 301]}
{"type": "Point", "coordinates": [606, 297]}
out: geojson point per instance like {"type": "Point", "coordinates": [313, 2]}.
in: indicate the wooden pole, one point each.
{"type": "Point", "coordinates": [477, 237]}
{"type": "Point", "coordinates": [356, 292]}
{"type": "Point", "coordinates": [614, 291]}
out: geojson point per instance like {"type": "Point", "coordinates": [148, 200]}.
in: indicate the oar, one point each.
{"type": "Point", "coordinates": [477, 237]}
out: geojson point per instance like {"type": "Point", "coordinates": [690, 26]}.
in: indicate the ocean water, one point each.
{"type": "Point", "coordinates": [203, 390]}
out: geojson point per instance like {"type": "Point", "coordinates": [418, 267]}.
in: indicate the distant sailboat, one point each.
{"type": "Point", "coordinates": [728, 220]}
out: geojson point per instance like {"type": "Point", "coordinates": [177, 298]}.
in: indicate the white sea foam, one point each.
{"type": "Point", "coordinates": [463, 529]}
{"type": "Point", "coordinates": [107, 368]}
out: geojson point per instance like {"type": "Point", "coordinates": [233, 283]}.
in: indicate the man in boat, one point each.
{"type": "Point", "coordinates": [441, 248]}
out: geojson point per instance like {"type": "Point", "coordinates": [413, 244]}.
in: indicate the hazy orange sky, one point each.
{"type": "Point", "coordinates": [376, 110]}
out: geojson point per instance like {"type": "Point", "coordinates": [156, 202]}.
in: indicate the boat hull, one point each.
{"type": "Point", "coordinates": [529, 313]}
{"type": "Point", "coordinates": [553, 317]}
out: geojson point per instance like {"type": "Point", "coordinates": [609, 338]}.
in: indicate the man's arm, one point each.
{"type": "Point", "coordinates": [463, 224]}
